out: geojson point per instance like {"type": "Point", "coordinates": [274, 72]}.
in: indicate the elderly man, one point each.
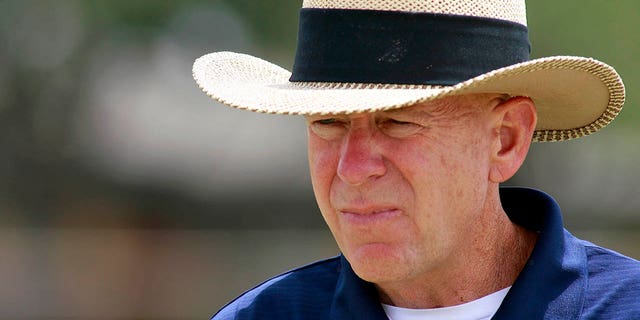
{"type": "Point", "coordinates": [416, 112]}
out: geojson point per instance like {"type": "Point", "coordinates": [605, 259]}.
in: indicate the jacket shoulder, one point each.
{"type": "Point", "coordinates": [297, 294]}
{"type": "Point", "coordinates": [613, 287]}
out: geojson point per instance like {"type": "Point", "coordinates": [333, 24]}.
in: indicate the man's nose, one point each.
{"type": "Point", "coordinates": [360, 159]}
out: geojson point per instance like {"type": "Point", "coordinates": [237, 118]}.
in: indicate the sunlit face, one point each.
{"type": "Point", "coordinates": [400, 189]}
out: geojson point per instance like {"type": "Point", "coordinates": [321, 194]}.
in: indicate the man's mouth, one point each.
{"type": "Point", "coordinates": [369, 216]}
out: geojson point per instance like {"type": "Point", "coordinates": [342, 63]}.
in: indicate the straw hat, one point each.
{"type": "Point", "coordinates": [369, 55]}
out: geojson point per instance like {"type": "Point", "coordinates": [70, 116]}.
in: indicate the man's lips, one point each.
{"type": "Point", "coordinates": [369, 216]}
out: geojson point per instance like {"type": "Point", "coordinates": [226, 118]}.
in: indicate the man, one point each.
{"type": "Point", "coordinates": [416, 112]}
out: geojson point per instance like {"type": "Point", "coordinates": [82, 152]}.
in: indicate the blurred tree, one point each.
{"type": "Point", "coordinates": [46, 49]}
{"type": "Point", "coordinates": [605, 30]}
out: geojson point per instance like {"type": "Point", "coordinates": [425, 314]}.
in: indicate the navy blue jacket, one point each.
{"type": "Point", "coordinates": [565, 278]}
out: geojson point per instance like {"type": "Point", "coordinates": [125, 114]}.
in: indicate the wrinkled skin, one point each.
{"type": "Point", "coordinates": [411, 195]}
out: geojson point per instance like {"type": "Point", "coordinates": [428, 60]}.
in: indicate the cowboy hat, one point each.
{"type": "Point", "coordinates": [371, 55]}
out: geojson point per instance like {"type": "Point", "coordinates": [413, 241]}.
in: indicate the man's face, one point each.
{"type": "Point", "coordinates": [400, 189]}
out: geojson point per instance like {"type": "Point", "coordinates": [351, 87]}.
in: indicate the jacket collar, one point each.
{"type": "Point", "coordinates": [553, 282]}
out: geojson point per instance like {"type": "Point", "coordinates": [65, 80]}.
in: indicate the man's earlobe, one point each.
{"type": "Point", "coordinates": [516, 121]}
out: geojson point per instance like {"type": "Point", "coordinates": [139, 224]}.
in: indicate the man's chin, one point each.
{"type": "Point", "coordinates": [377, 263]}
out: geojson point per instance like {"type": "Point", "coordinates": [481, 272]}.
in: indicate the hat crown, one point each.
{"type": "Point", "coordinates": [509, 10]}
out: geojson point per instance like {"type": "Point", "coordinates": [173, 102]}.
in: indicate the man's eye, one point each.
{"type": "Point", "coordinates": [326, 121]}
{"type": "Point", "coordinates": [398, 128]}
{"type": "Point", "coordinates": [394, 121]}
{"type": "Point", "coordinates": [328, 128]}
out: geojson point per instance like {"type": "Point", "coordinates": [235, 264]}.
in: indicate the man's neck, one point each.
{"type": "Point", "coordinates": [490, 263]}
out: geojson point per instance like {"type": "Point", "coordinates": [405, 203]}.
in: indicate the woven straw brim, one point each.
{"type": "Point", "coordinates": [574, 96]}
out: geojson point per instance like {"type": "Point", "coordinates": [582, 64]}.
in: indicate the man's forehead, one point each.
{"type": "Point", "coordinates": [415, 109]}
{"type": "Point", "coordinates": [454, 106]}
{"type": "Point", "coordinates": [428, 108]}
{"type": "Point", "coordinates": [431, 108]}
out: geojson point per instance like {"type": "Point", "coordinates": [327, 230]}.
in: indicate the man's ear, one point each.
{"type": "Point", "coordinates": [514, 121]}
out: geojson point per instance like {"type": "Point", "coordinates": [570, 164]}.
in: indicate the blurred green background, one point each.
{"type": "Point", "coordinates": [125, 193]}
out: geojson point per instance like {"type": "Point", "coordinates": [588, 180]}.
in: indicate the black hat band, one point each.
{"type": "Point", "coordinates": [370, 46]}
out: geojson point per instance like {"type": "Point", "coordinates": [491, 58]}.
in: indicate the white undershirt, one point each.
{"type": "Point", "coordinates": [480, 309]}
